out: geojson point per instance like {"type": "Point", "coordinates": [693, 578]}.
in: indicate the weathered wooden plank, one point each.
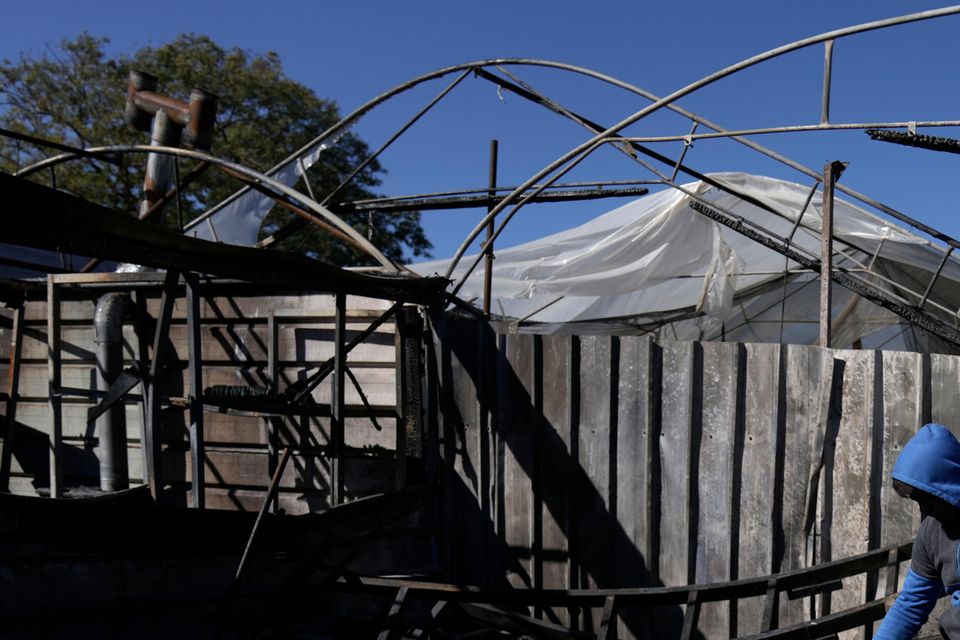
{"type": "Point", "coordinates": [757, 528]}
{"type": "Point", "coordinates": [846, 480]}
{"type": "Point", "coordinates": [675, 445]}
{"type": "Point", "coordinates": [464, 527]}
{"type": "Point", "coordinates": [515, 427]}
{"type": "Point", "coordinates": [803, 373]}
{"type": "Point", "coordinates": [599, 356]}
{"type": "Point", "coordinates": [944, 382]}
{"type": "Point", "coordinates": [901, 379]}
{"type": "Point", "coordinates": [941, 391]}
{"type": "Point", "coordinates": [633, 476]}
{"type": "Point", "coordinates": [715, 479]}
{"type": "Point", "coordinates": [554, 452]}
{"type": "Point", "coordinates": [818, 515]}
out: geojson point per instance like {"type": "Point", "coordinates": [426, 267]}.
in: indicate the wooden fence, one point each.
{"type": "Point", "coordinates": [585, 461]}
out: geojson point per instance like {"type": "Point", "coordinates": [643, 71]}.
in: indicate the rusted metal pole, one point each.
{"type": "Point", "coordinates": [273, 375]}
{"type": "Point", "coordinates": [831, 173]}
{"type": "Point", "coordinates": [271, 494]}
{"type": "Point", "coordinates": [13, 385]}
{"type": "Point", "coordinates": [410, 402]}
{"type": "Point", "coordinates": [401, 435]}
{"type": "Point", "coordinates": [336, 405]}
{"type": "Point", "coordinates": [152, 432]}
{"type": "Point", "coordinates": [159, 177]}
{"type": "Point", "coordinates": [53, 369]}
{"type": "Point", "coordinates": [827, 75]}
{"type": "Point", "coordinates": [488, 264]}
{"type": "Point", "coordinates": [195, 365]}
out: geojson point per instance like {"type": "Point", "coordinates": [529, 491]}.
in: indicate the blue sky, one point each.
{"type": "Point", "coordinates": [353, 51]}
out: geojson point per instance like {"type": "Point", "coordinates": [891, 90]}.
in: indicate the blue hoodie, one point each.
{"type": "Point", "coordinates": [930, 462]}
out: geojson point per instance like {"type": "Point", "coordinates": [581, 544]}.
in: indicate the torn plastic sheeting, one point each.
{"type": "Point", "coordinates": [657, 255]}
{"type": "Point", "coordinates": [239, 220]}
{"type": "Point", "coordinates": [719, 283]}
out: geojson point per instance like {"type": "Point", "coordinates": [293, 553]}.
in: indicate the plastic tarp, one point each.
{"type": "Point", "coordinates": [238, 219]}
{"type": "Point", "coordinates": [656, 257]}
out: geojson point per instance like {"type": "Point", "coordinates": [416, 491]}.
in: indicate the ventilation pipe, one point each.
{"type": "Point", "coordinates": [112, 424]}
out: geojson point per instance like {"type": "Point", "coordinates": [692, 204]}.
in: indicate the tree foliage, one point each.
{"type": "Point", "coordinates": [76, 94]}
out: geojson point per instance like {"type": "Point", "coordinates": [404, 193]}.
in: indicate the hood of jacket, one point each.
{"type": "Point", "coordinates": [930, 461]}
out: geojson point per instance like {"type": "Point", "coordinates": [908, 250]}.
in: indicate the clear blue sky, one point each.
{"type": "Point", "coordinates": [351, 51]}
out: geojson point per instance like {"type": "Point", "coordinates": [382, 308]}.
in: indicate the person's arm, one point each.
{"type": "Point", "coordinates": [911, 609]}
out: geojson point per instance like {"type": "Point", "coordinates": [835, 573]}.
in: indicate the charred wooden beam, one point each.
{"type": "Point", "coordinates": [13, 386]}
{"type": "Point", "coordinates": [906, 138]}
{"type": "Point", "coordinates": [44, 218]}
{"type": "Point", "coordinates": [464, 202]}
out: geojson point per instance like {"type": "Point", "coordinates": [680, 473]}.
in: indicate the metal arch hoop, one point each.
{"type": "Point", "coordinates": [256, 176]}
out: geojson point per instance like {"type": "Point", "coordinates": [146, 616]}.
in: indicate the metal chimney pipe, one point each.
{"type": "Point", "coordinates": [112, 425]}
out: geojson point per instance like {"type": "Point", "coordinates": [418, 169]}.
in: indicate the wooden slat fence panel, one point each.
{"type": "Point", "coordinates": [758, 470]}
{"type": "Point", "coordinates": [594, 512]}
{"type": "Point", "coordinates": [682, 369]}
{"type": "Point", "coordinates": [672, 463]}
{"type": "Point", "coordinates": [845, 510]}
{"type": "Point", "coordinates": [554, 447]}
{"type": "Point", "coordinates": [515, 426]}
{"type": "Point", "coordinates": [636, 397]}
{"type": "Point", "coordinates": [717, 456]}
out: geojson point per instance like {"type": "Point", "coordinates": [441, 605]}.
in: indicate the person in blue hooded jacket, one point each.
{"type": "Point", "coordinates": [928, 471]}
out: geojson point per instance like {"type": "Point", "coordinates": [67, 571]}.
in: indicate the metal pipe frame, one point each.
{"type": "Point", "coordinates": [527, 92]}
{"type": "Point", "coordinates": [798, 128]}
{"type": "Point", "coordinates": [250, 174]}
{"type": "Point", "coordinates": [598, 184]}
{"type": "Point", "coordinates": [340, 127]}
{"type": "Point", "coordinates": [589, 146]}
{"type": "Point", "coordinates": [54, 391]}
{"type": "Point", "coordinates": [465, 202]}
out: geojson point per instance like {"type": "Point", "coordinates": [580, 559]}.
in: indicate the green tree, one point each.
{"type": "Point", "coordinates": [75, 95]}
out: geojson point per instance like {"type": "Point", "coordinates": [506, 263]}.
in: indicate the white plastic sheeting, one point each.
{"type": "Point", "coordinates": [657, 258]}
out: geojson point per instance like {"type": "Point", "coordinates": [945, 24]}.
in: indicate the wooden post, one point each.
{"type": "Point", "coordinates": [152, 446]}
{"type": "Point", "coordinates": [831, 173]}
{"type": "Point", "coordinates": [410, 400]}
{"type": "Point", "coordinates": [336, 404]}
{"type": "Point", "coordinates": [13, 386]}
{"type": "Point", "coordinates": [195, 367]}
{"type": "Point", "coordinates": [53, 388]}
{"type": "Point", "coordinates": [401, 405]}
{"type": "Point", "coordinates": [273, 375]}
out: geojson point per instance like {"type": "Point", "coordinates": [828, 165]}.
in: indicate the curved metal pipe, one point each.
{"type": "Point", "coordinates": [112, 424]}
{"type": "Point", "coordinates": [253, 176]}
